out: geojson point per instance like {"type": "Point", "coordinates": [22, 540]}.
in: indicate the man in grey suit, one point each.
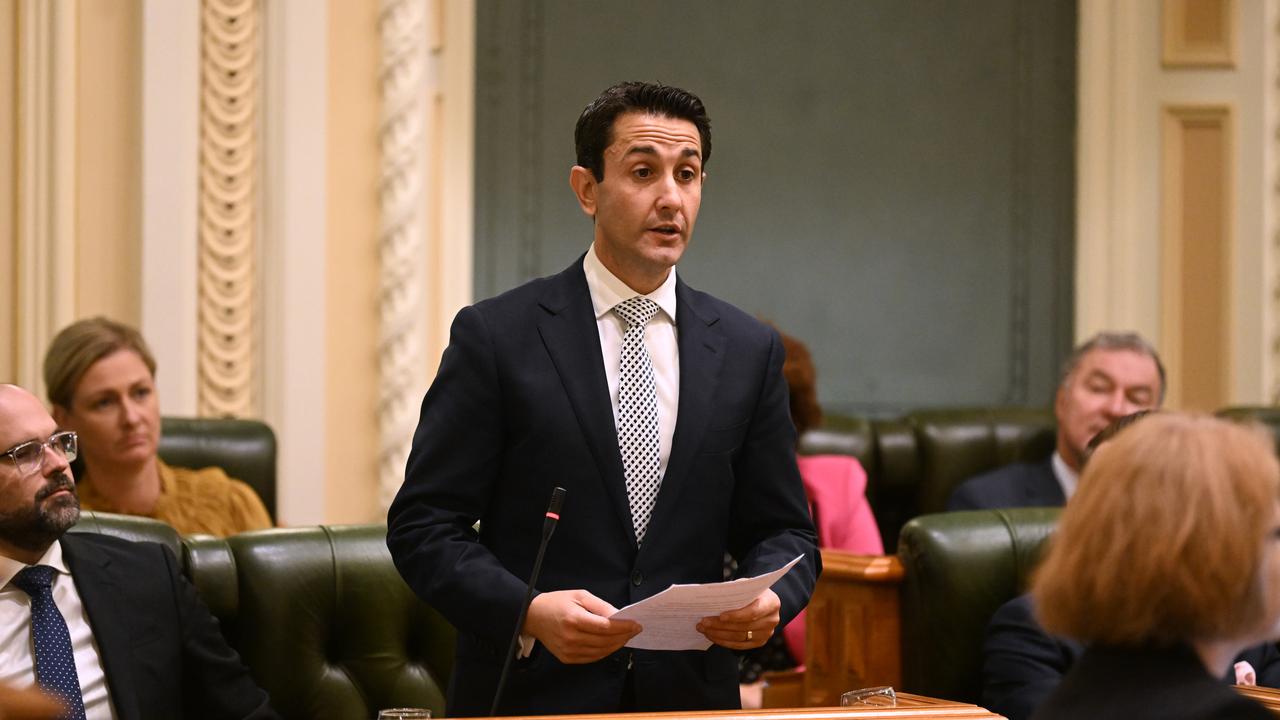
{"type": "Point", "coordinates": [1107, 377]}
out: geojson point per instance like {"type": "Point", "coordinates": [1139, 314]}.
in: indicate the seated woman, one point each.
{"type": "Point", "coordinates": [100, 377]}
{"type": "Point", "coordinates": [1166, 565]}
{"type": "Point", "coordinates": [836, 488]}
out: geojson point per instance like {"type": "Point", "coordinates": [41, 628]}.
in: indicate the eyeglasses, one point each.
{"type": "Point", "coordinates": [29, 456]}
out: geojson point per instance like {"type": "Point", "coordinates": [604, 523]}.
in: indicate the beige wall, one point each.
{"type": "Point", "coordinates": [351, 433]}
{"type": "Point", "coordinates": [108, 175]}
{"type": "Point", "coordinates": [8, 185]}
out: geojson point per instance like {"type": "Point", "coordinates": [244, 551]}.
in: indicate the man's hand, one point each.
{"type": "Point", "coordinates": [747, 627]}
{"type": "Point", "coordinates": [574, 626]}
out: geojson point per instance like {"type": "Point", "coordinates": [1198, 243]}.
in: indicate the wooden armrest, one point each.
{"type": "Point", "coordinates": [853, 626]}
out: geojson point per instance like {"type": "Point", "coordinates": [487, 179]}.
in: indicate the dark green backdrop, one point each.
{"type": "Point", "coordinates": [892, 181]}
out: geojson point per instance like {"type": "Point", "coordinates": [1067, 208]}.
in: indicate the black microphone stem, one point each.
{"type": "Point", "coordinates": [548, 527]}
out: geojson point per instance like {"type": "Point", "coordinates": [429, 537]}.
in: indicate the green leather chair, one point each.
{"type": "Point", "coordinates": [245, 449]}
{"type": "Point", "coordinates": [320, 615]}
{"type": "Point", "coordinates": [959, 568]}
{"type": "Point", "coordinates": [914, 462]}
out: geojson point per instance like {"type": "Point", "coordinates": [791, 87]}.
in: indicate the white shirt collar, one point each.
{"type": "Point", "coordinates": [1067, 477]}
{"type": "Point", "coordinates": [52, 557]}
{"type": "Point", "coordinates": [607, 290]}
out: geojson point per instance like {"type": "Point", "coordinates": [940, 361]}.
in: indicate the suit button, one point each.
{"type": "Point", "coordinates": [636, 578]}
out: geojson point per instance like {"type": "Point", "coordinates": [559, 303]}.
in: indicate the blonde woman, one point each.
{"type": "Point", "coordinates": [100, 377]}
{"type": "Point", "coordinates": [1166, 565]}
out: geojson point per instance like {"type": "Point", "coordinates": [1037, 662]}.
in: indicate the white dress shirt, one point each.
{"type": "Point", "coordinates": [17, 660]}
{"type": "Point", "coordinates": [659, 337]}
{"type": "Point", "coordinates": [1067, 477]}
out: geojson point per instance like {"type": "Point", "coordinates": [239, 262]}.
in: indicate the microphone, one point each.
{"type": "Point", "coordinates": [548, 527]}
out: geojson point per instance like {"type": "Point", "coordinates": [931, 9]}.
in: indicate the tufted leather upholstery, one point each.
{"type": "Point", "coordinates": [245, 449]}
{"type": "Point", "coordinates": [958, 569]}
{"type": "Point", "coordinates": [914, 462]}
{"type": "Point", "coordinates": [319, 614]}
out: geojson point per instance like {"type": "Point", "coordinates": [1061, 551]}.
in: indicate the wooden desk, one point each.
{"type": "Point", "coordinates": [1269, 697]}
{"type": "Point", "coordinates": [909, 707]}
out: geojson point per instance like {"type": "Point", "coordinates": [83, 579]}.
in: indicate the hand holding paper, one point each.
{"type": "Point", "coordinates": [670, 619]}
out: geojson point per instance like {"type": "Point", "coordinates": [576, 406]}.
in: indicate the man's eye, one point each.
{"type": "Point", "coordinates": [642, 172]}
{"type": "Point", "coordinates": [27, 452]}
{"type": "Point", "coordinates": [140, 393]}
{"type": "Point", "coordinates": [688, 175]}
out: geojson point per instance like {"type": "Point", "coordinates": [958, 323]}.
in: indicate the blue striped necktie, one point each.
{"type": "Point", "coordinates": [55, 663]}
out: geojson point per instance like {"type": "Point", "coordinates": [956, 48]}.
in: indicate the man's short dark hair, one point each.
{"type": "Point", "coordinates": [1131, 341]}
{"type": "Point", "coordinates": [594, 130]}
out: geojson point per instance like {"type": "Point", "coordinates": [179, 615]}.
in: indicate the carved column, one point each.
{"type": "Point", "coordinates": [230, 70]}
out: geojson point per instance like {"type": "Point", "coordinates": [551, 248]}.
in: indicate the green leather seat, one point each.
{"type": "Point", "coordinates": [914, 462]}
{"type": "Point", "coordinates": [245, 449]}
{"type": "Point", "coordinates": [320, 615]}
{"type": "Point", "coordinates": [959, 568]}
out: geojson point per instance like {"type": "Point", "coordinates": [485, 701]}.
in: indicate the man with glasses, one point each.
{"type": "Point", "coordinates": [108, 627]}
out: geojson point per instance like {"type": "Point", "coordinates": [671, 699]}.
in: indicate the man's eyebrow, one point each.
{"type": "Point", "coordinates": [641, 150]}
{"type": "Point", "coordinates": [691, 152]}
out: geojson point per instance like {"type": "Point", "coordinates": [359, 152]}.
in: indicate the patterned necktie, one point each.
{"type": "Point", "coordinates": [55, 663]}
{"type": "Point", "coordinates": [638, 413]}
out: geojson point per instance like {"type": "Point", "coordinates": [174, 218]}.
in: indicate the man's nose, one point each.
{"type": "Point", "coordinates": [53, 461]}
{"type": "Point", "coordinates": [1118, 406]}
{"type": "Point", "coordinates": [669, 196]}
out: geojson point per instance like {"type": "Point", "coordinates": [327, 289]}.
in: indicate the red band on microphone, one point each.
{"type": "Point", "coordinates": [553, 516]}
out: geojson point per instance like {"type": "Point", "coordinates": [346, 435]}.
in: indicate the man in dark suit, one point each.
{"type": "Point", "coordinates": [1109, 376]}
{"type": "Point", "coordinates": [105, 625]}
{"type": "Point", "coordinates": [661, 410]}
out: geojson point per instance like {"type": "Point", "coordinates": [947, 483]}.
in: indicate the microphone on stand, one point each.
{"type": "Point", "coordinates": [548, 527]}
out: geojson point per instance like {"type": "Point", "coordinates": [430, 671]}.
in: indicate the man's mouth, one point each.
{"type": "Point", "coordinates": [668, 230]}
{"type": "Point", "coordinates": [59, 484]}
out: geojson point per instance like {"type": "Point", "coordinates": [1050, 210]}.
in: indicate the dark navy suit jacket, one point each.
{"type": "Point", "coordinates": [1016, 485]}
{"type": "Point", "coordinates": [162, 651]}
{"type": "Point", "coordinates": [1022, 664]}
{"type": "Point", "coordinates": [521, 405]}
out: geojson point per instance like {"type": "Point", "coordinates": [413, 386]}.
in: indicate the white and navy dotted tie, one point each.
{"type": "Point", "coordinates": [638, 413]}
{"type": "Point", "coordinates": [55, 663]}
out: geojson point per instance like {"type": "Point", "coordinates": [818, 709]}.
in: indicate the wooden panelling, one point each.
{"type": "Point", "coordinates": [1198, 33]}
{"type": "Point", "coordinates": [1196, 211]}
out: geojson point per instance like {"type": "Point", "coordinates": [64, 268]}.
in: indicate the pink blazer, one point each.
{"type": "Point", "coordinates": [836, 486]}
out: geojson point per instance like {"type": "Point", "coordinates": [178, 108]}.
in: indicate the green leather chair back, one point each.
{"type": "Point", "coordinates": [959, 568]}
{"type": "Point", "coordinates": [245, 449]}
{"type": "Point", "coordinates": [130, 527]}
{"type": "Point", "coordinates": [914, 462]}
{"type": "Point", "coordinates": [955, 445]}
{"type": "Point", "coordinates": [329, 627]}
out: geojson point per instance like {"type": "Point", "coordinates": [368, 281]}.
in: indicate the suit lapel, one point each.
{"type": "Point", "coordinates": [568, 330]}
{"type": "Point", "coordinates": [101, 596]}
{"type": "Point", "coordinates": [701, 353]}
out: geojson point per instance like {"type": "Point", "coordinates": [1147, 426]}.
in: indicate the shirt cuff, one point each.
{"type": "Point", "coordinates": [526, 646]}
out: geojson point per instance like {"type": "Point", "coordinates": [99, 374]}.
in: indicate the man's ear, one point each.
{"type": "Point", "coordinates": [584, 184]}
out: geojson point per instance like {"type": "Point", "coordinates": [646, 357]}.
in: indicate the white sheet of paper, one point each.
{"type": "Point", "coordinates": [671, 617]}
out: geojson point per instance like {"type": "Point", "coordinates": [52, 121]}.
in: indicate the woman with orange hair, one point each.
{"type": "Point", "coordinates": [1166, 565]}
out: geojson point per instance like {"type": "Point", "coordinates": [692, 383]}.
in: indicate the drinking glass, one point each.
{"type": "Point", "coordinates": [882, 696]}
{"type": "Point", "coordinates": [404, 714]}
